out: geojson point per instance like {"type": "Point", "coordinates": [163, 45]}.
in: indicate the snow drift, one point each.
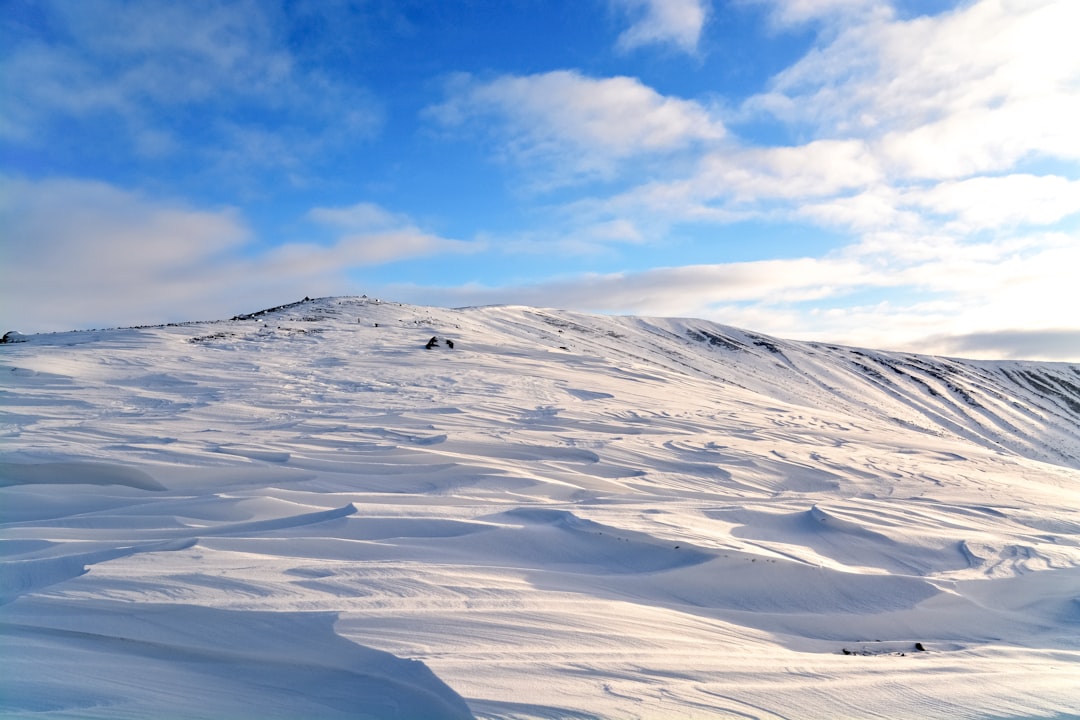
{"type": "Point", "coordinates": [308, 512]}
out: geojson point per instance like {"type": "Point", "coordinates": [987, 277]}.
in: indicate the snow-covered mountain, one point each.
{"type": "Point", "coordinates": [316, 511]}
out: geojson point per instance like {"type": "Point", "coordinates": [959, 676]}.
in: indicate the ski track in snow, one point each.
{"type": "Point", "coordinates": [305, 513]}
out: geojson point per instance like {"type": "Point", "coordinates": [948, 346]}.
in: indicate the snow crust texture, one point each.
{"type": "Point", "coordinates": [315, 511]}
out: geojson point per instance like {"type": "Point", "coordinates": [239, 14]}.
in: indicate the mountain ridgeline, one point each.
{"type": "Point", "coordinates": [1024, 407]}
{"type": "Point", "coordinates": [513, 512]}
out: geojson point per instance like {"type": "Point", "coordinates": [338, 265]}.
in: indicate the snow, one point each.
{"type": "Point", "coordinates": [305, 513]}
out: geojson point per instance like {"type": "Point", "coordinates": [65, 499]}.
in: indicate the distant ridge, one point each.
{"type": "Point", "coordinates": [1030, 407]}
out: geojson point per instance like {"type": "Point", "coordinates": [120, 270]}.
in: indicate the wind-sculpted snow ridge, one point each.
{"type": "Point", "coordinates": [346, 507]}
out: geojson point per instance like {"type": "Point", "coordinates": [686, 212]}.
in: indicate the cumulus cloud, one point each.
{"type": "Point", "coordinates": [578, 125]}
{"type": "Point", "coordinates": [661, 22]}
{"type": "Point", "coordinates": [88, 250]}
{"type": "Point", "coordinates": [916, 125]}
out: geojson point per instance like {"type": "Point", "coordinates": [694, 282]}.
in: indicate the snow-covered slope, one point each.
{"type": "Point", "coordinates": [306, 512]}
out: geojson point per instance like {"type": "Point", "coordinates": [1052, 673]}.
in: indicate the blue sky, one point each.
{"type": "Point", "coordinates": [897, 174]}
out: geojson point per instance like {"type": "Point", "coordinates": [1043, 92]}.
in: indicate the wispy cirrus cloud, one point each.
{"type": "Point", "coordinates": [797, 12]}
{"type": "Point", "coordinates": [215, 78]}
{"type": "Point", "coordinates": [663, 22]}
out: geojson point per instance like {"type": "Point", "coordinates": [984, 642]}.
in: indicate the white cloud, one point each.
{"type": "Point", "coordinates": [956, 207]}
{"type": "Point", "coordinates": [89, 250]}
{"type": "Point", "coordinates": [973, 90]}
{"type": "Point", "coordinates": [878, 206]}
{"type": "Point", "coordinates": [734, 184]}
{"type": "Point", "coordinates": [993, 202]}
{"type": "Point", "coordinates": [821, 167]}
{"type": "Point", "coordinates": [580, 125]}
{"type": "Point", "coordinates": [678, 22]}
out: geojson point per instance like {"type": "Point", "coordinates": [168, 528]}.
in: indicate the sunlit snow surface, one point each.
{"type": "Point", "coordinates": [307, 514]}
